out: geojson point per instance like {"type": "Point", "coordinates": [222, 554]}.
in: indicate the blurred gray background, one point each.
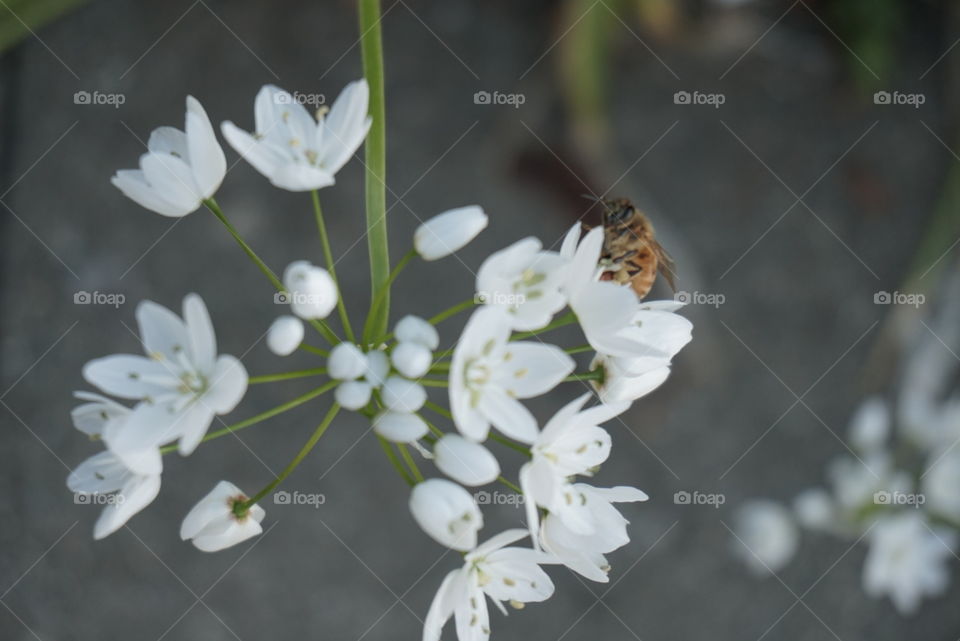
{"type": "Point", "coordinates": [795, 201]}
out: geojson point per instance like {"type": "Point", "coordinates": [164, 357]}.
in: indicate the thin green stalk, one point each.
{"type": "Point", "coordinates": [319, 325]}
{"type": "Point", "coordinates": [433, 382]}
{"type": "Point", "coordinates": [313, 350]}
{"type": "Point", "coordinates": [564, 320]}
{"type": "Point", "coordinates": [439, 409]}
{"type": "Point", "coordinates": [433, 428]}
{"type": "Point", "coordinates": [283, 376]}
{"type": "Point", "coordinates": [253, 420]}
{"type": "Point", "coordinates": [502, 440]}
{"type": "Point", "coordinates": [579, 350]}
{"type": "Point", "coordinates": [596, 375]}
{"type": "Point", "coordinates": [292, 465]}
{"type": "Point", "coordinates": [378, 301]}
{"type": "Point", "coordinates": [331, 266]}
{"type": "Point", "coordinates": [392, 457]}
{"type": "Point", "coordinates": [447, 313]}
{"type": "Point", "coordinates": [371, 48]}
{"type": "Point", "coordinates": [509, 484]}
{"type": "Point", "coordinates": [405, 454]}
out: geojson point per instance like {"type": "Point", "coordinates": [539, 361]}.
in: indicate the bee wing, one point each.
{"type": "Point", "coordinates": [665, 265]}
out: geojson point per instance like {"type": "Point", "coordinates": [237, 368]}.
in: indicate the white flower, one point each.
{"type": "Point", "coordinates": [182, 383]}
{"type": "Point", "coordinates": [815, 509]}
{"type": "Point", "coordinates": [346, 362]}
{"type": "Point", "coordinates": [941, 483]}
{"type": "Point", "coordinates": [179, 170]}
{"type": "Point", "coordinates": [402, 395]}
{"type": "Point", "coordinates": [525, 281]}
{"type": "Point", "coordinates": [603, 308]}
{"type": "Point", "coordinates": [100, 414]}
{"type": "Point", "coordinates": [449, 232]}
{"type": "Point", "coordinates": [907, 560]}
{"type": "Point", "coordinates": [411, 359]}
{"type": "Point", "coordinates": [855, 482]}
{"type": "Point", "coordinates": [213, 524]}
{"type": "Point", "coordinates": [294, 151]}
{"type": "Point", "coordinates": [400, 427]}
{"type": "Point", "coordinates": [447, 513]}
{"type": "Point", "coordinates": [628, 378]}
{"type": "Point", "coordinates": [584, 553]}
{"type": "Point", "coordinates": [767, 536]}
{"type": "Point", "coordinates": [465, 461]}
{"type": "Point", "coordinates": [105, 474]}
{"type": "Point", "coordinates": [870, 426]}
{"type": "Point", "coordinates": [378, 367]}
{"type": "Point", "coordinates": [503, 573]}
{"type": "Point", "coordinates": [413, 329]}
{"type": "Point", "coordinates": [353, 395]}
{"type": "Point", "coordinates": [571, 443]}
{"type": "Point", "coordinates": [489, 373]}
{"type": "Point", "coordinates": [311, 291]}
{"type": "Point", "coordinates": [285, 335]}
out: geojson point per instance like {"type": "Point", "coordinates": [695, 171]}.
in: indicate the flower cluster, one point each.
{"type": "Point", "coordinates": [500, 359]}
{"type": "Point", "coordinates": [896, 490]}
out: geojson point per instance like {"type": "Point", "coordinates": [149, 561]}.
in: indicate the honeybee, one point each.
{"type": "Point", "coordinates": [631, 254]}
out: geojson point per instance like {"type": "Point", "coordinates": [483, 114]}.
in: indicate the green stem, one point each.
{"type": "Point", "coordinates": [596, 375]}
{"type": "Point", "coordinates": [405, 453]}
{"type": "Point", "coordinates": [392, 457]}
{"type": "Point", "coordinates": [371, 48]}
{"type": "Point", "coordinates": [564, 320]}
{"type": "Point", "coordinates": [433, 428]}
{"type": "Point", "coordinates": [331, 266]}
{"type": "Point", "coordinates": [439, 409]}
{"type": "Point", "coordinates": [579, 350]}
{"type": "Point", "coordinates": [253, 420]}
{"type": "Point", "coordinates": [447, 313]}
{"type": "Point", "coordinates": [283, 376]}
{"type": "Point", "coordinates": [512, 486]}
{"type": "Point", "coordinates": [502, 440]}
{"type": "Point", "coordinates": [433, 382]}
{"type": "Point", "coordinates": [319, 325]}
{"type": "Point", "coordinates": [292, 465]}
{"type": "Point", "coordinates": [313, 350]}
{"type": "Point", "coordinates": [378, 301]}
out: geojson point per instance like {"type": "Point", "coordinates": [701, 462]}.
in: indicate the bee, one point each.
{"type": "Point", "coordinates": [631, 254]}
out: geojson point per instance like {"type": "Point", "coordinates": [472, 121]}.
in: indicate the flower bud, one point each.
{"type": "Point", "coordinates": [449, 232]}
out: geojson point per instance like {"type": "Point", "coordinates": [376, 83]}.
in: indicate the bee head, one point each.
{"type": "Point", "coordinates": [617, 211]}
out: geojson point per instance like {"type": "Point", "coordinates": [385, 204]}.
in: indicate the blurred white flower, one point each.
{"type": "Point", "coordinates": [446, 512]}
{"type": "Point", "coordinates": [129, 492]}
{"type": "Point", "coordinates": [525, 281]}
{"type": "Point", "coordinates": [465, 461]}
{"type": "Point", "coordinates": [767, 536]}
{"type": "Point", "coordinates": [294, 151]}
{"type": "Point", "coordinates": [400, 427]}
{"type": "Point", "coordinates": [584, 552]}
{"type": "Point", "coordinates": [941, 484]}
{"type": "Point", "coordinates": [814, 509]}
{"type": "Point", "coordinates": [213, 524]}
{"type": "Point", "coordinates": [402, 395]}
{"type": "Point", "coordinates": [489, 373]}
{"type": "Point", "coordinates": [855, 482]}
{"type": "Point", "coordinates": [907, 560]}
{"type": "Point", "coordinates": [508, 574]}
{"type": "Point", "coordinates": [98, 415]}
{"type": "Point", "coordinates": [346, 362]}
{"type": "Point", "coordinates": [411, 359]}
{"type": "Point", "coordinates": [353, 395]}
{"type": "Point", "coordinates": [285, 335]}
{"type": "Point", "coordinates": [870, 426]}
{"type": "Point", "coordinates": [449, 232]}
{"type": "Point", "coordinates": [179, 170]}
{"type": "Point", "coordinates": [311, 291]}
{"type": "Point", "coordinates": [182, 383]}
{"type": "Point", "coordinates": [413, 329]}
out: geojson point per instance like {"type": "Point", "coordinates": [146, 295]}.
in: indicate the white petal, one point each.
{"type": "Point", "coordinates": [400, 427]}
{"type": "Point", "coordinates": [353, 395]}
{"type": "Point", "coordinates": [93, 417]}
{"type": "Point", "coordinates": [403, 395]}
{"type": "Point", "coordinates": [193, 425]}
{"type": "Point", "coordinates": [312, 291]}
{"type": "Point", "coordinates": [203, 341]}
{"type": "Point", "coordinates": [532, 369]}
{"type": "Point", "coordinates": [135, 495]}
{"type": "Point", "coordinates": [345, 127]}
{"type": "Point", "coordinates": [100, 474]}
{"type": "Point", "coordinates": [446, 512]}
{"type": "Point", "coordinates": [171, 177]}
{"type": "Point", "coordinates": [168, 140]}
{"type": "Point", "coordinates": [134, 186]}
{"type": "Point", "coordinates": [449, 232]}
{"type": "Point", "coordinates": [496, 542]}
{"type": "Point", "coordinates": [262, 156]}
{"type": "Point", "coordinates": [285, 335]}
{"type": "Point", "coordinates": [233, 534]}
{"type": "Point", "coordinates": [411, 359]}
{"type": "Point", "coordinates": [413, 329]}
{"type": "Point", "coordinates": [129, 376]}
{"type": "Point", "coordinates": [443, 604]}
{"type": "Point", "coordinates": [509, 415]}
{"type": "Point", "coordinates": [465, 461]}
{"type": "Point", "coordinates": [296, 177]}
{"type": "Point", "coordinates": [206, 157]}
{"type": "Point", "coordinates": [346, 362]}
{"type": "Point", "coordinates": [471, 614]}
{"type": "Point", "coordinates": [378, 367]}
{"type": "Point", "coordinates": [162, 332]}
{"type": "Point", "coordinates": [228, 384]}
